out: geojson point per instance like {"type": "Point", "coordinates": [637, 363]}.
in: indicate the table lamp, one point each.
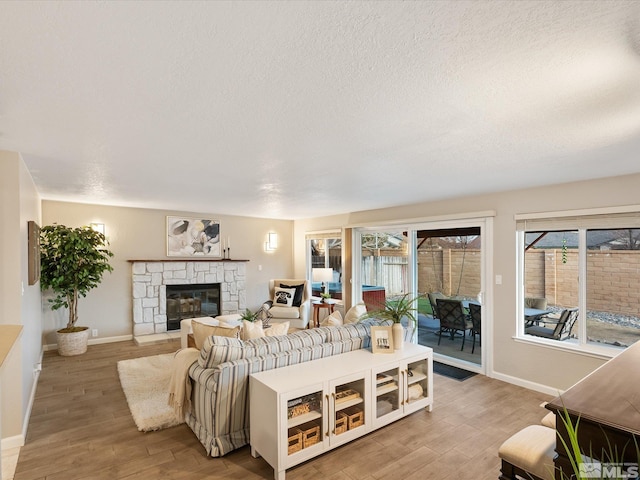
{"type": "Point", "coordinates": [323, 275]}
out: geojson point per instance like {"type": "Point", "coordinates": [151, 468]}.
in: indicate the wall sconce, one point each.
{"type": "Point", "coordinates": [272, 242]}
{"type": "Point", "coordinates": [98, 227]}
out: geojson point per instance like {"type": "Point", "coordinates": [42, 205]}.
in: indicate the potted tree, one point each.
{"type": "Point", "coordinates": [72, 262]}
{"type": "Point", "coordinates": [396, 310]}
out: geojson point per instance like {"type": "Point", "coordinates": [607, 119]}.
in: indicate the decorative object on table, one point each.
{"type": "Point", "coordinates": [72, 262]}
{"type": "Point", "coordinates": [324, 297]}
{"type": "Point", "coordinates": [194, 237]}
{"type": "Point", "coordinates": [263, 313]}
{"type": "Point", "coordinates": [381, 339]}
{"type": "Point", "coordinates": [323, 275]}
{"type": "Point", "coordinates": [249, 316]}
{"type": "Point", "coordinates": [397, 309]}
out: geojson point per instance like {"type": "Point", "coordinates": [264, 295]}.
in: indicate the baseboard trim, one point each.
{"type": "Point", "coordinates": [16, 441]}
{"type": "Point", "coordinates": [538, 387]}
{"type": "Point", "coordinates": [94, 341]}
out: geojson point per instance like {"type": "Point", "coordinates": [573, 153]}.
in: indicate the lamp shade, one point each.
{"type": "Point", "coordinates": [322, 274]}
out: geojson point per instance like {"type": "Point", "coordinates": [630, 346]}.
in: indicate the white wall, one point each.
{"type": "Point", "coordinates": [20, 303]}
{"type": "Point", "coordinates": [524, 363]}
{"type": "Point", "coordinates": [140, 234]}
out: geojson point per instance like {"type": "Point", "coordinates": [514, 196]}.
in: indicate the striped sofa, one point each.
{"type": "Point", "coordinates": [219, 413]}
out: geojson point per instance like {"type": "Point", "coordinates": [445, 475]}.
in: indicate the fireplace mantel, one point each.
{"type": "Point", "coordinates": [188, 259]}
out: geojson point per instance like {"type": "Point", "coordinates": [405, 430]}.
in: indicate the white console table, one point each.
{"type": "Point", "coordinates": [301, 411]}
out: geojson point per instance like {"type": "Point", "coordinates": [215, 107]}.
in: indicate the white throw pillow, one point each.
{"type": "Point", "coordinates": [283, 297]}
{"type": "Point", "coordinates": [355, 312]}
{"type": "Point", "coordinates": [277, 329]}
{"type": "Point", "coordinates": [251, 330]}
{"type": "Point", "coordinates": [333, 320]}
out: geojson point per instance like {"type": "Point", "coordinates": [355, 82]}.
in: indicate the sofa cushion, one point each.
{"type": "Point", "coordinates": [283, 297]}
{"type": "Point", "coordinates": [202, 331]}
{"type": "Point", "coordinates": [354, 313]}
{"type": "Point", "coordinates": [297, 298]}
{"type": "Point", "coordinates": [277, 329]}
{"type": "Point", "coordinates": [284, 312]}
{"type": "Point", "coordinates": [252, 329]}
{"type": "Point", "coordinates": [333, 320]}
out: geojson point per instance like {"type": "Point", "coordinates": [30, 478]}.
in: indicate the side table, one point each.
{"type": "Point", "coordinates": [316, 310]}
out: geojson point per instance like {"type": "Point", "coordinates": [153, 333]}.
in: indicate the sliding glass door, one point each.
{"type": "Point", "coordinates": [429, 260]}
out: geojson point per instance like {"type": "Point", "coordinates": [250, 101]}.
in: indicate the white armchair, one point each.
{"type": "Point", "coordinates": [297, 316]}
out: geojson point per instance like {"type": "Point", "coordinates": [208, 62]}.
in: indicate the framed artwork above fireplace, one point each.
{"type": "Point", "coordinates": [193, 237]}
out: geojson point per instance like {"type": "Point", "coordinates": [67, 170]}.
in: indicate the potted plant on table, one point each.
{"type": "Point", "coordinates": [72, 262]}
{"type": "Point", "coordinates": [397, 309]}
{"type": "Point", "coordinates": [249, 316]}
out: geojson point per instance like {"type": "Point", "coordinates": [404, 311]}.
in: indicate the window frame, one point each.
{"type": "Point", "coordinates": [580, 221]}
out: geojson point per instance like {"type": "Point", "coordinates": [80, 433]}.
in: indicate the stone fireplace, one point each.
{"type": "Point", "coordinates": [191, 301]}
{"type": "Point", "coordinates": [151, 278]}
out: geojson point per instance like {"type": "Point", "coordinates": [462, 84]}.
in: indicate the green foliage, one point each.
{"type": "Point", "coordinates": [72, 262]}
{"type": "Point", "coordinates": [249, 316]}
{"type": "Point", "coordinates": [396, 309]}
{"type": "Point", "coordinates": [578, 454]}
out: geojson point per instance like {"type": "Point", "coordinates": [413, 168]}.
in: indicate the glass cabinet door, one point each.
{"type": "Point", "coordinates": [388, 398]}
{"type": "Point", "coordinates": [305, 418]}
{"type": "Point", "coordinates": [417, 381]}
{"type": "Point", "coordinates": [348, 405]}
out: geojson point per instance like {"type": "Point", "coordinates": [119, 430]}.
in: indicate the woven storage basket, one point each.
{"type": "Point", "coordinates": [355, 417]}
{"type": "Point", "coordinates": [341, 422]}
{"type": "Point", "coordinates": [310, 434]}
{"type": "Point", "coordinates": [294, 441]}
{"type": "Point", "coordinates": [74, 343]}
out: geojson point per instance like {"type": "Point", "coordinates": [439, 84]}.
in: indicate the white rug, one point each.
{"type": "Point", "coordinates": [145, 382]}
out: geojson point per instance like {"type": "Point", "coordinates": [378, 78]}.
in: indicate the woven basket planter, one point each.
{"type": "Point", "coordinates": [74, 343]}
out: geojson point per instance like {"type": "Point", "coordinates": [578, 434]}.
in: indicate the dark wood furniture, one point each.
{"type": "Point", "coordinates": [607, 402]}
{"type": "Point", "coordinates": [316, 311]}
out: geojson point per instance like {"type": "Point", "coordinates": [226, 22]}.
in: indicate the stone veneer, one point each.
{"type": "Point", "coordinates": [150, 279]}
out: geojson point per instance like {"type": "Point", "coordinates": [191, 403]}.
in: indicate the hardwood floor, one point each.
{"type": "Point", "coordinates": [81, 428]}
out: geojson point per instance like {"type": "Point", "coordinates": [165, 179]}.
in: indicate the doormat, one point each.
{"type": "Point", "coordinates": [452, 372]}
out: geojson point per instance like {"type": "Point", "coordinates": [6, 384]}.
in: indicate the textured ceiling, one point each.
{"type": "Point", "coordinates": [301, 109]}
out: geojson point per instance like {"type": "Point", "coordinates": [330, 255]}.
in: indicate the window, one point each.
{"type": "Point", "coordinates": [588, 263]}
{"type": "Point", "coordinates": [384, 269]}
{"type": "Point", "coordinates": [324, 250]}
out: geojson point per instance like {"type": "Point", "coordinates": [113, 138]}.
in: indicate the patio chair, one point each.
{"type": "Point", "coordinates": [560, 329]}
{"type": "Point", "coordinates": [538, 303]}
{"type": "Point", "coordinates": [452, 319]}
{"type": "Point", "coordinates": [535, 302]}
{"type": "Point", "coordinates": [433, 296]}
{"type": "Point", "coordinates": [475, 311]}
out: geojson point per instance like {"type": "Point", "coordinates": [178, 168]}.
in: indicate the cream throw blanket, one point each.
{"type": "Point", "coordinates": [180, 384]}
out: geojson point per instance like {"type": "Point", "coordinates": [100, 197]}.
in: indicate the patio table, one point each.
{"type": "Point", "coordinates": [533, 315]}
